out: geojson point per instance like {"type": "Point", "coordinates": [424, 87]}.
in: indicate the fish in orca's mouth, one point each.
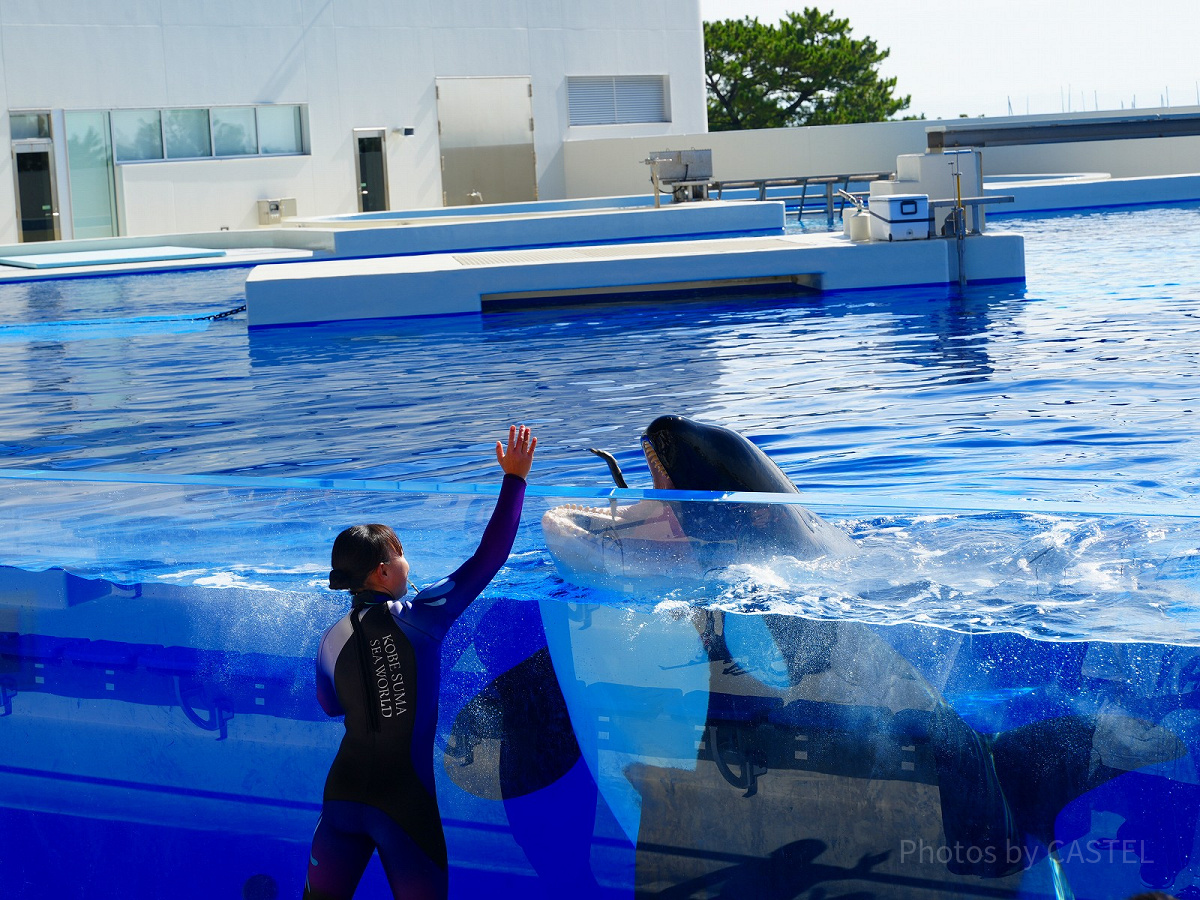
{"type": "Point", "coordinates": [659, 539]}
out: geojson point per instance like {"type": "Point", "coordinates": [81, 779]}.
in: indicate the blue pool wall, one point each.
{"type": "Point", "coordinates": [158, 716]}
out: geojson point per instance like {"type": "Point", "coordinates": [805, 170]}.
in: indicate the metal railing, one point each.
{"type": "Point", "coordinates": [827, 197]}
{"type": "Point", "coordinates": [973, 204]}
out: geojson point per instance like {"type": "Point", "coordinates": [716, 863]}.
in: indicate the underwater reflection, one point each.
{"type": "Point", "coordinates": [856, 756]}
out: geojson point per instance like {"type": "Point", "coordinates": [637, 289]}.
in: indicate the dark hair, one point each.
{"type": "Point", "coordinates": [356, 553]}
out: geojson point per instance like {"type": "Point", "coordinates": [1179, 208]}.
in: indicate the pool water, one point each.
{"type": "Point", "coordinates": [1009, 661]}
{"type": "Point", "coordinates": [1061, 416]}
{"type": "Point", "coordinates": [1079, 388]}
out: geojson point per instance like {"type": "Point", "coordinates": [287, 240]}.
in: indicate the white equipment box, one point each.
{"type": "Point", "coordinates": [899, 217]}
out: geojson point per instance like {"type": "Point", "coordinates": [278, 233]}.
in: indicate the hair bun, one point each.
{"type": "Point", "coordinates": [340, 580]}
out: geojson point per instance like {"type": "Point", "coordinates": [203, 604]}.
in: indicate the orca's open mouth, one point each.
{"type": "Point", "coordinates": [658, 472]}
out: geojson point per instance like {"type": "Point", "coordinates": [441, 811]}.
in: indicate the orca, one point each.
{"type": "Point", "coordinates": [689, 539]}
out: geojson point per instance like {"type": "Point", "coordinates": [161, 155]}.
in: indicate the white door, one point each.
{"type": "Point", "coordinates": [485, 130]}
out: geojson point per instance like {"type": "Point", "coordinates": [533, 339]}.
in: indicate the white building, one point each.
{"type": "Point", "coordinates": [140, 117]}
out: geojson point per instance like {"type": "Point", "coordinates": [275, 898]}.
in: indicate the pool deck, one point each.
{"type": "Point", "coordinates": [466, 283]}
{"type": "Point", "coordinates": [398, 233]}
{"type": "Point", "coordinates": [586, 224]}
{"type": "Point", "coordinates": [463, 260]}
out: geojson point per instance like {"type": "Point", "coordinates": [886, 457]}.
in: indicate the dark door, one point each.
{"type": "Point", "coordinates": [372, 173]}
{"type": "Point", "coordinates": [37, 211]}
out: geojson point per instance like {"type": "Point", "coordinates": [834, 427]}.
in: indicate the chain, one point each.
{"type": "Point", "coordinates": [223, 315]}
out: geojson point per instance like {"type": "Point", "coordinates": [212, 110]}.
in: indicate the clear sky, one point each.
{"type": "Point", "coordinates": [1041, 56]}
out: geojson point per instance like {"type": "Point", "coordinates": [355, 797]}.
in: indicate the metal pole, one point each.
{"type": "Point", "coordinates": [960, 228]}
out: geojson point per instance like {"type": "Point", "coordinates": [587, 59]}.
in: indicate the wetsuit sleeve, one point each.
{"type": "Point", "coordinates": [326, 693]}
{"type": "Point", "coordinates": [440, 604]}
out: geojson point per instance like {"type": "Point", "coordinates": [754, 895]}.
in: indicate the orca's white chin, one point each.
{"type": "Point", "coordinates": [613, 547]}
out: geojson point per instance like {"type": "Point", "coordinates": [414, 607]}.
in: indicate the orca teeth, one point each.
{"type": "Point", "coordinates": [605, 511]}
{"type": "Point", "coordinates": [657, 469]}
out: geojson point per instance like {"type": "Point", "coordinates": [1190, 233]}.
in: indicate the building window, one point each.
{"type": "Point", "coordinates": [280, 130]}
{"type": "Point", "coordinates": [90, 164]}
{"type": "Point", "coordinates": [186, 133]}
{"type": "Point", "coordinates": [139, 135]}
{"type": "Point", "coordinates": [25, 126]}
{"type": "Point", "coordinates": [235, 132]}
{"type": "Point", "coordinates": [617, 99]}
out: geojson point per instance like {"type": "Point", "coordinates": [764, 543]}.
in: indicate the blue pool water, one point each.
{"type": "Point", "coordinates": [1014, 641]}
{"type": "Point", "coordinates": [1079, 388]}
{"type": "Point", "coordinates": [1075, 395]}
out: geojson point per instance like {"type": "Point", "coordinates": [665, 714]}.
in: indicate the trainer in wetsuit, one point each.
{"type": "Point", "coordinates": [379, 666]}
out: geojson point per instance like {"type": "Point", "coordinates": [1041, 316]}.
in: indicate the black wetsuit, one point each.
{"type": "Point", "coordinates": [380, 791]}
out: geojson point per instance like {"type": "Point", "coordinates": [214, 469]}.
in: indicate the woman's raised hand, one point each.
{"type": "Point", "coordinates": [517, 457]}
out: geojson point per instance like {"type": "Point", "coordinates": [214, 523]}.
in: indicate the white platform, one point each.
{"type": "Point", "coordinates": [458, 283]}
{"type": "Point", "coordinates": [107, 257]}
{"type": "Point", "coordinates": [1035, 194]}
{"type": "Point", "coordinates": [512, 226]}
{"type": "Point", "coordinates": [121, 262]}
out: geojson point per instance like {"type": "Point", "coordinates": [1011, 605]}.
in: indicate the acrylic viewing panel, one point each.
{"type": "Point", "coordinates": [699, 715]}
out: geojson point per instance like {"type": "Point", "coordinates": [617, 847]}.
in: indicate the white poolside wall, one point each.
{"type": "Point", "coordinates": [613, 167]}
{"type": "Point", "coordinates": [355, 63]}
